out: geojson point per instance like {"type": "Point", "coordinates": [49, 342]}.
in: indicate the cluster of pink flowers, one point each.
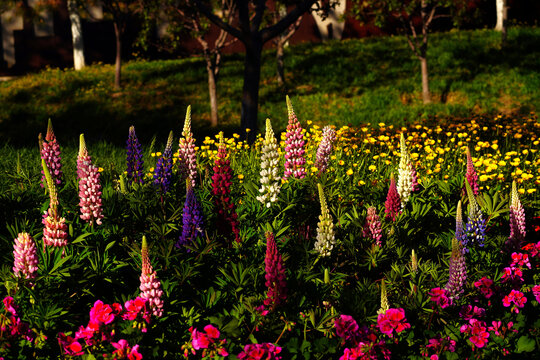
{"type": "Point", "coordinates": [373, 228]}
{"type": "Point", "coordinates": [55, 230]}
{"type": "Point", "coordinates": [517, 298]}
{"type": "Point", "coordinates": [392, 320]}
{"type": "Point", "coordinates": [471, 176]}
{"type": "Point", "coordinates": [468, 312]}
{"type": "Point", "coordinates": [207, 341]}
{"type": "Point", "coordinates": [346, 328]}
{"type": "Point", "coordinates": [517, 220]}
{"type": "Point", "coordinates": [325, 149]}
{"type": "Point", "coordinates": [124, 351]}
{"type": "Point", "coordinates": [440, 297]}
{"type": "Point", "coordinates": [477, 331]}
{"type": "Point", "coordinates": [50, 153]}
{"type": "Point", "coordinates": [294, 148]}
{"type": "Point", "coordinates": [266, 351]}
{"type": "Point", "coordinates": [12, 328]}
{"type": "Point", "coordinates": [484, 285]}
{"type": "Point", "coordinates": [275, 274]}
{"type": "Point", "coordinates": [392, 205]}
{"type": "Point", "coordinates": [536, 292]}
{"type": "Point", "coordinates": [150, 285]}
{"type": "Point", "coordinates": [25, 263]}
{"type": "Point", "coordinates": [514, 273]}
{"type": "Point", "coordinates": [364, 341]}
{"type": "Point", "coordinates": [186, 150]}
{"type": "Point", "coordinates": [89, 186]}
{"type": "Point", "coordinates": [437, 346]}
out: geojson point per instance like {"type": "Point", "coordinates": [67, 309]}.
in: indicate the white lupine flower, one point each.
{"type": "Point", "coordinates": [405, 174]}
{"type": "Point", "coordinates": [270, 178]}
{"type": "Point", "coordinates": [325, 228]}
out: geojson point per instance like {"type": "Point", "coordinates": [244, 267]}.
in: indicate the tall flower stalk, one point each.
{"type": "Point", "coordinates": [227, 219]}
{"type": "Point", "coordinates": [294, 146]}
{"type": "Point", "coordinates": [460, 234]}
{"type": "Point", "coordinates": [517, 221]}
{"type": "Point", "coordinates": [325, 148]}
{"type": "Point", "coordinates": [372, 228]}
{"type": "Point", "coordinates": [457, 272]}
{"type": "Point", "coordinates": [384, 299]}
{"type": "Point", "coordinates": [163, 172]}
{"type": "Point", "coordinates": [55, 227]}
{"type": "Point", "coordinates": [325, 228]}
{"type": "Point", "coordinates": [470, 175]}
{"type": "Point", "coordinates": [405, 173]}
{"type": "Point", "coordinates": [150, 285]}
{"type": "Point", "coordinates": [275, 274]}
{"type": "Point", "coordinates": [25, 264]}
{"type": "Point", "coordinates": [186, 151]}
{"type": "Point", "coordinates": [192, 221]}
{"type": "Point", "coordinates": [392, 205]}
{"type": "Point", "coordinates": [270, 179]}
{"type": "Point", "coordinates": [89, 186]}
{"type": "Point", "coordinates": [135, 162]}
{"type": "Point", "coordinates": [50, 152]}
{"type": "Point", "coordinates": [475, 228]}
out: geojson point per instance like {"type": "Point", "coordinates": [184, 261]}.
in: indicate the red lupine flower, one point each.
{"type": "Point", "coordinates": [393, 203]}
{"type": "Point", "coordinates": [275, 274]}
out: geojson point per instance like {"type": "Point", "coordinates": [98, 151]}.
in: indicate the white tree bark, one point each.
{"type": "Point", "coordinates": [500, 14]}
{"type": "Point", "coordinates": [76, 34]}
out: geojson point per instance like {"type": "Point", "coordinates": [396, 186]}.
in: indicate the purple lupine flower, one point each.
{"type": "Point", "coordinates": [186, 151]}
{"type": "Point", "coordinates": [372, 228]}
{"type": "Point", "coordinates": [135, 163]}
{"type": "Point", "coordinates": [25, 262]}
{"type": "Point", "coordinates": [471, 176]}
{"type": "Point", "coordinates": [460, 234]}
{"type": "Point", "coordinates": [227, 219]}
{"type": "Point", "coordinates": [475, 228]}
{"type": "Point", "coordinates": [392, 204]}
{"type": "Point", "coordinates": [50, 152]}
{"type": "Point", "coordinates": [457, 270]}
{"type": "Point", "coordinates": [55, 229]}
{"type": "Point", "coordinates": [325, 149]}
{"type": "Point", "coordinates": [192, 221]}
{"type": "Point", "coordinates": [163, 172]}
{"type": "Point", "coordinates": [517, 221]}
{"type": "Point", "coordinates": [275, 274]}
{"type": "Point", "coordinates": [294, 148]}
{"type": "Point", "coordinates": [89, 186]}
{"type": "Point", "coordinates": [150, 285]}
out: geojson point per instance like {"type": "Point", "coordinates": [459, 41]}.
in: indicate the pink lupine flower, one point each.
{"type": "Point", "coordinates": [89, 186]}
{"type": "Point", "coordinates": [517, 220]}
{"type": "Point", "coordinates": [471, 175]}
{"type": "Point", "coordinates": [266, 351]}
{"type": "Point", "coordinates": [372, 228]}
{"type": "Point", "coordinates": [477, 330]}
{"type": "Point", "coordinates": [457, 271]}
{"type": "Point", "coordinates": [25, 263]}
{"type": "Point", "coordinates": [325, 149]}
{"type": "Point", "coordinates": [50, 153]}
{"type": "Point", "coordinates": [124, 351]}
{"type": "Point", "coordinates": [517, 298]}
{"type": "Point", "coordinates": [439, 296]}
{"type": "Point", "coordinates": [186, 151]}
{"type": "Point", "coordinates": [484, 286]}
{"type": "Point", "coordinates": [294, 148]}
{"type": "Point", "coordinates": [392, 206]}
{"type": "Point", "coordinates": [150, 285]}
{"type": "Point", "coordinates": [276, 281]}
{"type": "Point", "coordinates": [392, 320]}
{"type": "Point", "coordinates": [55, 230]}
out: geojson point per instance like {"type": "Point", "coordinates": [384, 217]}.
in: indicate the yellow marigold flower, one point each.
{"type": "Point", "coordinates": [521, 191]}
{"type": "Point", "coordinates": [240, 176]}
{"type": "Point", "coordinates": [483, 177]}
{"type": "Point", "coordinates": [349, 172]}
{"type": "Point", "coordinates": [314, 169]}
{"type": "Point", "coordinates": [372, 168]}
{"type": "Point", "coordinates": [341, 162]}
{"type": "Point", "coordinates": [375, 157]}
{"type": "Point", "coordinates": [153, 154]}
{"type": "Point", "coordinates": [519, 172]}
{"type": "Point", "coordinates": [381, 124]}
{"type": "Point", "coordinates": [494, 146]}
{"type": "Point", "coordinates": [525, 152]}
{"type": "Point", "coordinates": [100, 169]}
{"type": "Point", "coordinates": [361, 182]}
{"type": "Point", "coordinates": [502, 163]}
{"type": "Point", "coordinates": [151, 169]}
{"type": "Point", "coordinates": [530, 191]}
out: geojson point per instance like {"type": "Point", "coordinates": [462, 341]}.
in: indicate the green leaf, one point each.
{"type": "Point", "coordinates": [525, 344]}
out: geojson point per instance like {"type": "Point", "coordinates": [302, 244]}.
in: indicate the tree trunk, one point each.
{"type": "Point", "coordinates": [118, 61]}
{"type": "Point", "coordinates": [212, 90]}
{"type": "Point", "coordinates": [76, 34]}
{"type": "Point", "coordinates": [504, 32]}
{"type": "Point", "coordinates": [250, 91]}
{"type": "Point", "coordinates": [280, 61]}
{"type": "Point", "coordinates": [425, 80]}
{"type": "Point", "coordinates": [500, 4]}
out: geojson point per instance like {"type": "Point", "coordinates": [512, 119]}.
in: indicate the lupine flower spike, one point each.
{"type": "Point", "coordinates": [150, 285]}
{"type": "Point", "coordinates": [517, 221]}
{"type": "Point", "coordinates": [457, 270]}
{"type": "Point", "coordinates": [186, 150]}
{"type": "Point", "coordinates": [460, 235]}
{"type": "Point", "coordinates": [372, 228]}
{"type": "Point", "coordinates": [270, 180]}
{"type": "Point", "coordinates": [50, 152]}
{"type": "Point", "coordinates": [227, 219]}
{"type": "Point", "coordinates": [294, 148]}
{"type": "Point", "coordinates": [476, 224]}
{"type": "Point", "coordinates": [325, 228]}
{"type": "Point", "coordinates": [275, 274]}
{"type": "Point", "coordinates": [89, 186]}
{"type": "Point", "coordinates": [405, 174]}
{"type": "Point", "coordinates": [471, 176]}
{"type": "Point", "coordinates": [135, 163]}
{"type": "Point", "coordinates": [414, 261]}
{"type": "Point", "coordinates": [192, 221]}
{"type": "Point", "coordinates": [25, 263]}
{"type": "Point", "coordinates": [393, 203]}
{"type": "Point", "coordinates": [163, 172]}
{"type": "Point", "coordinates": [55, 230]}
{"type": "Point", "coordinates": [384, 299]}
{"type": "Point", "coordinates": [325, 149]}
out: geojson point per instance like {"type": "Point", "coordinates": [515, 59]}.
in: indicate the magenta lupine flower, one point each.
{"type": "Point", "coordinates": [186, 151]}
{"type": "Point", "coordinates": [517, 221]}
{"type": "Point", "coordinates": [440, 297]}
{"type": "Point", "coordinates": [478, 331]}
{"type": "Point", "coordinates": [227, 219]}
{"type": "Point", "coordinates": [457, 272]}
{"type": "Point", "coordinates": [267, 351]}
{"type": "Point", "coordinates": [150, 285]}
{"type": "Point", "coordinates": [484, 285]}
{"type": "Point", "coordinates": [135, 162]}
{"type": "Point", "coordinates": [294, 148]}
{"type": "Point", "coordinates": [50, 152]}
{"type": "Point", "coordinates": [55, 229]}
{"type": "Point", "coordinates": [124, 351]}
{"type": "Point", "coordinates": [276, 281]}
{"type": "Point", "coordinates": [89, 186]}
{"type": "Point", "coordinates": [393, 203]}
{"type": "Point", "coordinates": [25, 263]}
{"type": "Point", "coordinates": [372, 228]}
{"type": "Point", "coordinates": [325, 148]}
{"type": "Point", "coordinates": [392, 320]}
{"type": "Point", "coordinates": [471, 176]}
{"type": "Point", "coordinates": [517, 298]}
